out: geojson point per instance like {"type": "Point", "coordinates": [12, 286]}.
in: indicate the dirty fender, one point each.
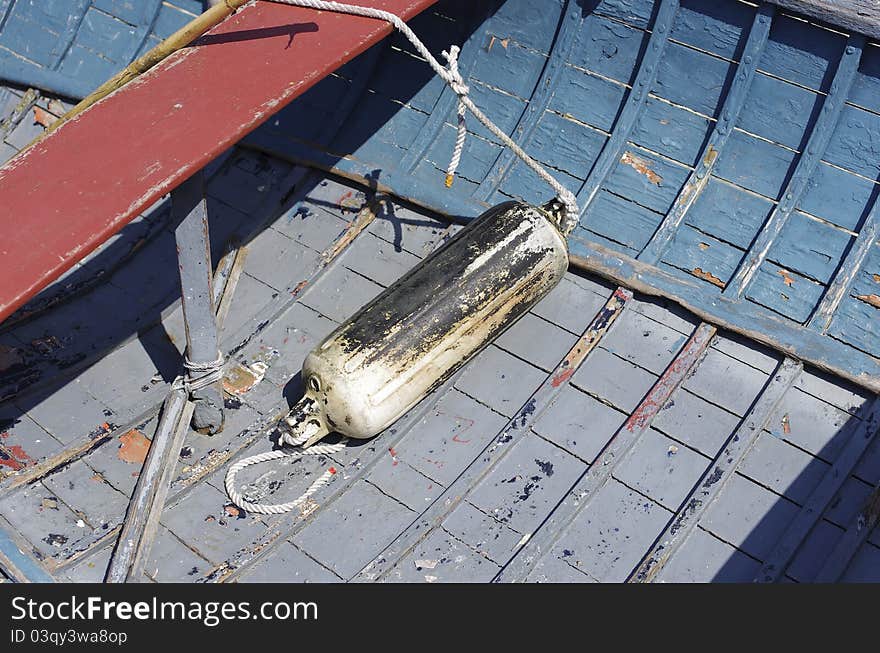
{"type": "Point", "coordinates": [413, 336]}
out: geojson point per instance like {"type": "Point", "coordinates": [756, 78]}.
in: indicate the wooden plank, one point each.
{"type": "Point", "coordinates": [857, 15]}
{"type": "Point", "coordinates": [715, 478]}
{"type": "Point", "coordinates": [634, 103]}
{"type": "Point", "coordinates": [815, 148]}
{"type": "Point", "coordinates": [163, 143]}
{"type": "Point", "coordinates": [752, 321]}
{"type": "Point", "coordinates": [811, 512]}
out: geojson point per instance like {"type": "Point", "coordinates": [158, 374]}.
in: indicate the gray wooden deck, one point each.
{"type": "Point", "coordinates": [670, 452]}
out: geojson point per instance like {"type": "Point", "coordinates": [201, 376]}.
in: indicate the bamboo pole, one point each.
{"type": "Point", "coordinates": [180, 39]}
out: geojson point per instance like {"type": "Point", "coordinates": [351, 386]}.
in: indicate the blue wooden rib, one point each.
{"type": "Point", "coordinates": [846, 274]}
{"type": "Point", "coordinates": [729, 114]}
{"type": "Point", "coordinates": [24, 568]}
{"type": "Point", "coordinates": [77, 14]}
{"type": "Point", "coordinates": [752, 320]}
{"type": "Point", "coordinates": [815, 506]}
{"type": "Point", "coordinates": [632, 107]}
{"type": "Point", "coordinates": [816, 145]}
{"type": "Point", "coordinates": [719, 473]}
{"type": "Point", "coordinates": [572, 20]}
{"type": "Point", "coordinates": [148, 20]}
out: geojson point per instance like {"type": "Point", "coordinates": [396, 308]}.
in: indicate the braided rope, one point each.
{"type": "Point", "coordinates": [199, 375]}
{"type": "Point", "coordinates": [280, 508]}
{"type": "Point", "coordinates": [453, 78]}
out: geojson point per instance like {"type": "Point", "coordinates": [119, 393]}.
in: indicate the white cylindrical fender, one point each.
{"type": "Point", "coordinates": [415, 334]}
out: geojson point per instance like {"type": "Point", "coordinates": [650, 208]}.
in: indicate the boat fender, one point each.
{"type": "Point", "coordinates": [420, 330]}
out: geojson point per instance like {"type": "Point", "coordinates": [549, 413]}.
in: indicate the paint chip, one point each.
{"type": "Point", "coordinates": [43, 117]}
{"type": "Point", "coordinates": [425, 564]}
{"type": "Point", "coordinates": [133, 447]}
{"type": "Point", "coordinates": [642, 166]}
{"type": "Point", "coordinates": [239, 379]}
{"type": "Point", "coordinates": [708, 276]}
{"type": "Point", "coordinates": [873, 300]}
{"type": "Point", "coordinates": [786, 277]}
{"type": "Point", "coordinates": [786, 424]}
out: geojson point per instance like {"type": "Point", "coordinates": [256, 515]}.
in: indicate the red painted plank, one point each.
{"type": "Point", "coordinates": [69, 193]}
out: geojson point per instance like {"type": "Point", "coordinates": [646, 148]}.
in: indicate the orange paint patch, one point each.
{"type": "Point", "coordinates": [43, 117]}
{"type": "Point", "coordinates": [876, 278]}
{"type": "Point", "coordinates": [786, 277]}
{"type": "Point", "coordinates": [711, 155]}
{"type": "Point", "coordinates": [641, 166]}
{"type": "Point", "coordinates": [708, 276]}
{"type": "Point", "coordinates": [133, 447]}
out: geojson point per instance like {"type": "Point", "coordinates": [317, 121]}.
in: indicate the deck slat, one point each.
{"type": "Point", "coordinates": [715, 478]}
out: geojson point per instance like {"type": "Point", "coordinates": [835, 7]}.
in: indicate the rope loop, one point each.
{"type": "Point", "coordinates": [453, 78]}
{"type": "Point", "coordinates": [280, 508]}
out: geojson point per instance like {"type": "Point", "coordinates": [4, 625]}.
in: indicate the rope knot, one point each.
{"type": "Point", "coordinates": [456, 83]}
{"type": "Point", "coordinates": [201, 375]}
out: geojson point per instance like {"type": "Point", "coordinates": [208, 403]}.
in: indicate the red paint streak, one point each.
{"type": "Point", "coordinates": [15, 457]}
{"type": "Point", "coordinates": [332, 470]}
{"type": "Point", "coordinates": [147, 137]}
{"type": "Point", "coordinates": [670, 380]}
{"type": "Point", "coordinates": [562, 376]}
{"type": "Point", "coordinates": [393, 453]}
{"type": "Point", "coordinates": [302, 284]}
{"type": "Point", "coordinates": [11, 463]}
{"type": "Point", "coordinates": [455, 439]}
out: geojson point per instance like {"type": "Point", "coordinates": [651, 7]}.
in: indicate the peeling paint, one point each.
{"type": "Point", "coordinates": [872, 300]}
{"type": "Point", "coordinates": [708, 276]}
{"type": "Point", "coordinates": [642, 166]}
{"type": "Point", "coordinates": [133, 447]}
{"type": "Point", "coordinates": [786, 277]}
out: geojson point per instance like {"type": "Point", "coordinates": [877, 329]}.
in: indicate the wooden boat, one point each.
{"type": "Point", "coordinates": [696, 401]}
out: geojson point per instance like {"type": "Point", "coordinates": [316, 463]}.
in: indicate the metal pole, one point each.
{"type": "Point", "coordinates": [194, 260]}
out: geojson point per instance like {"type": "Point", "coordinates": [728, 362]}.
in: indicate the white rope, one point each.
{"type": "Point", "coordinates": [279, 508]}
{"type": "Point", "coordinates": [200, 375]}
{"type": "Point", "coordinates": [453, 78]}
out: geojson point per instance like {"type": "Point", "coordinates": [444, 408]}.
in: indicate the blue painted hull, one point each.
{"type": "Point", "coordinates": [730, 149]}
